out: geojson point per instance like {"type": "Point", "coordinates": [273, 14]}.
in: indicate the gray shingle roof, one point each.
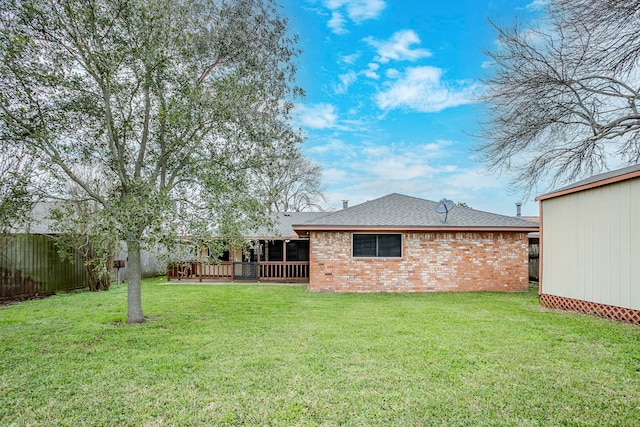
{"type": "Point", "coordinates": [399, 211]}
{"type": "Point", "coordinates": [285, 221]}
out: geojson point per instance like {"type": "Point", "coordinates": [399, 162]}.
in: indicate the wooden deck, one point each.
{"type": "Point", "coordinates": [263, 271]}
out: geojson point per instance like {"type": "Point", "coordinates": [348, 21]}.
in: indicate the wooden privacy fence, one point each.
{"type": "Point", "coordinates": [30, 266]}
{"type": "Point", "coordinates": [534, 261]}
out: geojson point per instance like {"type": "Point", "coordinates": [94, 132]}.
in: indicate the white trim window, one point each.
{"type": "Point", "coordinates": [366, 245]}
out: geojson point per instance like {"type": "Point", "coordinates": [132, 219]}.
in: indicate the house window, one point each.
{"type": "Point", "coordinates": [274, 249]}
{"type": "Point", "coordinates": [377, 245]}
{"type": "Point", "coordinates": [298, 250]}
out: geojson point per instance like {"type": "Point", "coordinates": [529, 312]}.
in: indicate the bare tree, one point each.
{"type": "Point", "coordinates": [175, 104]}
{"type": "Point", "coordinates": [563, 93]}
{"type": "Point", "coordinates": [611, 24]}
{"type": "Point", "coordinates": [293, 183]}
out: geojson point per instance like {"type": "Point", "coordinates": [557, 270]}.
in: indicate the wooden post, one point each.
{"type": "Point", "coordinates": [284, 259]}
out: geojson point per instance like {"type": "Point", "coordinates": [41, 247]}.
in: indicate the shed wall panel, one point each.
{"type": "Point", "coordinates": [560, 237]}
{"type": "Point", "coordinates": [634, 246]}
{"type": "Point", "coordinates": [623, 264]}
{"type": "Point", "coordinates": [591, 245]}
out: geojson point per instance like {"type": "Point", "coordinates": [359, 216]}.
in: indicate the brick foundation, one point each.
{"type": "Point", "coordinates": [430, 262]}
{"type": "Point", "coordinates": [620, 314]}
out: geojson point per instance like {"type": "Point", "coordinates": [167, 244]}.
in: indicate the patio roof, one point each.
{"type": "Point", "coordinates": [284, 225]}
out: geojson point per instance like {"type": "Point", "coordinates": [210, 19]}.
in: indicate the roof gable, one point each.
{"type": "Point", "coordinates": [405, 212]}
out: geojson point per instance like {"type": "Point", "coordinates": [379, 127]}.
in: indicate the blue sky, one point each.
{"type": "Point", "coordinates": [390, 87]}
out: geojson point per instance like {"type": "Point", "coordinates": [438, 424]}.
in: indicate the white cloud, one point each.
{"type": "Point", "coordinates": [372, 71]}
{"type": "Point", "coordinates": [350, 59]}
{"type": "Point", "coordinates": [333, 175]}
{"type": "Point", "coordinates": [473, 180]}
{"type": "Point", "coordinates": [392, 73]}
{"type": "Point", "coordinates": [346, 80]}
{"type": "Point", "coordinates": [393, 162]}
{"type": "Point", "coordinates": [422, 89]}
{"type": "Point", "coordinates": [361, 10]}
{"type": "Point", "coordinates": [398, 47]}
{"type": "Point", "coordinates": [538, 4]}
{"type": "Point", "coordinates": [337, 23]}
{"type": "Point", "coordinates": [435, 150]}
{"type": "Point", "coordinates": [357, 11]}
{"type": "Point", "coordinates": [403, 162]}
{"type": "Point", "coordinates": [331, 146]}
{"type": "Point", "coordinates": [369, 171]}
{"type": "Point", "coordinates": [431, 170]}
{"type": "Point", "coordinates": [316, 116]}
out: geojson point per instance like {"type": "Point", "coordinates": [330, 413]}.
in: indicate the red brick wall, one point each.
{"type": "Point", "coordinates": [438, 261]}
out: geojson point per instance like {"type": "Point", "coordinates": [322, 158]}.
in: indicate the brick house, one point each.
{"type": "Point", "coordinates": [399, 243]}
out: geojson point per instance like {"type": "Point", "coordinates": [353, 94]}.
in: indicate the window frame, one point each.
{"type": "Point", "coordinates": [353, 240]}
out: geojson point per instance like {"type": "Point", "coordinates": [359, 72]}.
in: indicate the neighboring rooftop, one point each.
{"type": "Point", "coordinates": [535, 219]}
{"type": "Point", "coordinates": [40, 221]}
{"type": "Point", "coordinates": [595, 181]}
{"type": "Point", "coordinates": [399, 211]}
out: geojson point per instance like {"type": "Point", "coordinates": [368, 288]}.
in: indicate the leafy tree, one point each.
{"type": "Point", "coordinates": [563, 93]}
{"type": "Point", "coordinates": [173, 105]}
{"type": "Point", "coordinates": [16, 201]}
{"type": "Point", "coordinates": [80, 236]}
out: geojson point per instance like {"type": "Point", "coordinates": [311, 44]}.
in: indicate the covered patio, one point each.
{"type": "Point", "coordinates": [284, 260]}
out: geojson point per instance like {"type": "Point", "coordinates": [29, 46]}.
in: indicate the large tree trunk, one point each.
{"type": "Point", "coordinates": [134, 297]}
{"type": "Point", "coordinates": [98, 270]}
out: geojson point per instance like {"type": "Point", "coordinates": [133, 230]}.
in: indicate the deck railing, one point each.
{"type": "Point", "coordinates": [284, 271]}
{"type": "Point", "coordinates": [272, 271]}
{"type": "Point", "coordinates": [191, 270]}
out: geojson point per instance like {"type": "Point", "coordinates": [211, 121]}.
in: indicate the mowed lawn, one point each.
{"type": "Point", "coordinates": [278, 355]}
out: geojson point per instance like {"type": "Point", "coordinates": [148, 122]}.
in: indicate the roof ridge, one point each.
{"type": "Point", "coordinates": [401, 210]}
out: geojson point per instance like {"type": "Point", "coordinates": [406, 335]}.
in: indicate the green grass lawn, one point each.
{"type": "Point", "coordinates": [278, 355]}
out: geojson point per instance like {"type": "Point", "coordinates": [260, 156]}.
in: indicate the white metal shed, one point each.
{"type": "Point", "coordinates": [590, 246]}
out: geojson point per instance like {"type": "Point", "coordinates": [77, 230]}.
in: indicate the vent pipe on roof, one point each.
{"type": "Point", "coordinates": [345, 204]}
{"type": "Point", "coordinates": [518, 210]}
